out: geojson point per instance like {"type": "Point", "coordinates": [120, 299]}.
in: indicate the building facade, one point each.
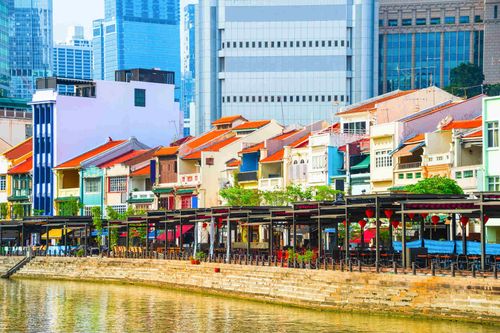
{"type": "Point", "coordinates": [31, 42]}
{"type": "Point", "coordinates": [4, 49]}
{"type": "Point", "coordinates": [131, 28]}
{"type": "Point", "coordinates": [188, 67]}
{"type": "Point", "coordinates": [293, 61]}
{"type": "Point", "coordinates": [73, 58]}
{"type": "Point", "coordinates": [15, 122]}
{"type": "Point", "coordinates": [421, 42]}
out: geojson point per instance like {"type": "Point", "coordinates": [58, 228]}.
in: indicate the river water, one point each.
{"type": "Point", "coordinates": [55, 306]}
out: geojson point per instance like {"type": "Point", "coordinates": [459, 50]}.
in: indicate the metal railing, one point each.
{"type": "Point", "coordinates": [413, 165]}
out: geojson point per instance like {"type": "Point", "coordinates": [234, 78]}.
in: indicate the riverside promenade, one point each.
{"type": "Point", "coordinates": [445, 297]}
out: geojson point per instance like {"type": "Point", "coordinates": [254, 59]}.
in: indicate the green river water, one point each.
{"type": "Point", "coordinates": [57, 306]}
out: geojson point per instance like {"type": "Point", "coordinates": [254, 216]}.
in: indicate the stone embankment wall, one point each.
{"type": "Point", "coordinates": [446, 297]}
{"type": "Point", "coordinates": [7, 263]}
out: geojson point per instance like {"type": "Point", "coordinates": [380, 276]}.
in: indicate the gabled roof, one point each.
{"type": "Point", "coordinates": [302, 142]}
{"type": "Point", "coordinates": [228, 120]}
{"type": "Point", "coordinates": [285, 135]}
{"type": "Point", "coordinates": [205, 138]}
{"type": "Point", "coordinates": [417, 138]}
{"type": "Point", "coordinates": [122, 158]}
{"type": "Point", "coordinates": [215, 147]}
{"type": "Point", "coordinates": [252, 125]}
{"type": "Point", "coordinates": [75, 162]}
{"type": "Point", "coordinates": [276, 157]}
{"type": "Point", "coordinates": [233, 163]}
{"type": "Point", "coordinates": [464, 124]}
{"type": "Point", "coordinates": [167, 151]}
{"type": "Point", "coordinates": [252, 148]}
{"type": "Point", "coordinates": [371, 104]}
{"type": "Point", "coordinates": [24, 167]}
{"type": "Point", "coordinates": [144, 171]}
{"type": "Point", "coordinates": [20, 150]}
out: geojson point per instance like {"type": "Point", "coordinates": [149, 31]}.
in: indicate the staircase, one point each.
{"type": "Point", "coordinates": [20, 264]}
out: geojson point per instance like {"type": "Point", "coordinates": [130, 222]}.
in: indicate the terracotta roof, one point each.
{"type": "Point", "coordinates": [252, 125]}
{"type": "Point", "coordinates": [463, 124]}
{"type": "Point", "coordinates": [407, 150]}
{"type": "Point", "coordinates": [227, 120]}
{"type": "Point", "coordinates": [253, 148]}
{"type": "Point", "coordinates": [167, 151]}
{"type": "Point", "coordinates": [477, 134]}
{"type": "Point", "coordinates": [75, 162]}
{"type": "Point", "coordinates": [371, 105]}
{"type": "Point", "coordinates": [24, 167]}
{"type": "Point", "coordinates": [285, 135]}
{"type": "Point", "coordinates": [20, 150]}
{"type": "Point", "coordinates": [276, 157]}
{"type": "Point", "coordinates": [416, 138]}
{"type": "Point", "coordinates": [144, 171]}
{"type": "Point", "coordinates": [205, 138]}
{"type": "Point", "coordinates": [300, 142]}
{"type": "Point", "coordinates": [215, 147]}
{"type": "Point", "coordinates": [122, 158]}
{"type": "Point", "coordinates": [233, 163]}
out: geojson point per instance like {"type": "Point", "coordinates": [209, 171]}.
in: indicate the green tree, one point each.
{"type": "Point", "coordinates": [435, 185]}
{"type": "Point", "coordinates": [239, 196]}
{"type": "Point", "coordinates": [325, 193]}
{"type": "Point", "coordinates": [4, 210]}
{"type": "Point", "coordinates": [18, 210]}
{"type": "Point", "coordinates": [466, 80]}
{"type": "Point", "coordinates": [492, 89]}
{"type": "Point", "coordinates": [69, 208]}
{"type": "Point", "coordinates": [96, 214]}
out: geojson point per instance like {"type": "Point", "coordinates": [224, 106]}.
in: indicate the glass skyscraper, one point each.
{"type": "Point", "coordinates": [137, 34]}
{"type": "Point", "coordinates": [31, 43]}
{"type": "Point", "coordinates": [188, 66]}
{"type": "Point", "coordinates": [4, 49]}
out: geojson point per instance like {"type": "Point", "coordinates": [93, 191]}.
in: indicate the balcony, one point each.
{"type": "Point", "coordinates": [438, 159]}
{"type": "Point", "coordinates": [315, 177]}
{"type": "Point", "coordinates": [20, 195]}
{"type": "Point", "coordinates": [271, 184]}
{"type": "Point", "coordinates": [69, 192]}
{"type": "Point", "coordinates": [141, 197]}
{"type": "Point", "coordinates": [190, 179]}
{"type": "Point", "coordinates": [467, 177]}
{"type": "Point", "coordinates": [247, 176]}
{"type": "Point", "coordinates": [412, 165]}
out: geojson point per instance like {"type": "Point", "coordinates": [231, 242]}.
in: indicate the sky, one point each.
{"type": "Point", "coordinates": [75, 12]}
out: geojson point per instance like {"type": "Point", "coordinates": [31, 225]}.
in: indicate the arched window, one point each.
{"type": "Point", "coordinates": [302, 162]}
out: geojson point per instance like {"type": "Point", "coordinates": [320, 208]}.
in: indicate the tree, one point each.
{"type": "Point", "coordinates": [466, 80]}
{"type": "Point", "coordinates": [4, 210]}
{"type": "Point", "coordinates": [239, 196]}
{"type": "Point", "coordinates": [96, 214]}
{"type": "Point", "coordinates": [492, 89]}
{"type": "Point", "coordinates": [325, 193]}
{"type": "Point", "coordinates": [18, 210]}
{"type": "Point", "coordinates": [435, 185]}
{"type": "Point", "coordinates": [69, 208]}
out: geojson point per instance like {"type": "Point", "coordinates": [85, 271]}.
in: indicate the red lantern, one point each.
{"type": "Point", "coordinates": [464, 220]}
{"type": "Point", "coordinates": [204, 225]}
{"type": "Point", "coordinates": [369, 213]}
{"type": "Point", "coordinates": [424, 215]}
{"type": "Point", "coordinates": [395, 224]}
{"type": "Point", "coordinates": [362, 223]}
{"type": "Point", "coordinates": [435, 219]}
{"type": "Point", "coordinates": [411, 216]}
{"type": "Point", "coordinates": [486, 218]}
{"type": "Point", "coordinates": [344, 223]}
{"type": "Point", "coordinates": [388, 213]}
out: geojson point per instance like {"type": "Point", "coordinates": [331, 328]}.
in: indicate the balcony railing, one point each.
{"type": "Point", "coordinates": [68, 192]}
{"type": "Point", "coordinates": [191, 179]}
{"type": "Point", "coordinates": [412, 165]}
{"type": "Point", "coordinates": [269, 184]}
{"type": "Point", "coordinates": [21, 192]}
{"type": "Point", "coordinates": [247, 176]}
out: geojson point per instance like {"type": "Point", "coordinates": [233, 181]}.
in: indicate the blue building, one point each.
{"type": "Point", "coordinates": [31, 41]}
{"type": "Point", "coordinates": [137, 34]}
{"type": "Point", "coordinates": [4, 49]}
{"type": "Point", "coordinates": [73, 59]}
{"type": "Point", "coordinates": [188, 67]}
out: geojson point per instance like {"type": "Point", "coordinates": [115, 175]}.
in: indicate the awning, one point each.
{"type": "Point", "coordinates": [185, 191]}
{"type": "Point", "coordinates": [140, 200]}
{"type": "Point", "coordinates": [55, 233]}
{"type": "Point", "coordinates": [408, 150]}
{"type": "Point", "coordinates": [185, 229]}
{"type": "Point", "coordinates": [163, 190]}
{"type": "Point", "coordinates": [65, 199]}
{"type": "Point", "coordinates": [18, 198]}
{"type": "Point", "coordinates": [364, 164]}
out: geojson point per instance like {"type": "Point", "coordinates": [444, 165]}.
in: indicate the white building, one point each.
{"type": "Point", "coordinates": [64, 126]}
{"type": "Point", "coordinates": [296, 61]}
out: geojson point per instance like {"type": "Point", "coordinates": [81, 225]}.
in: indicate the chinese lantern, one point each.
{"type": "Point", "coordinates": [369, 213]}
{"type": "Point", "coordinates": [435, 219]}
{"type": "Point", "coordinates": [464, 220]}
{"type": "Point", "coordinates": [344, 223]}
{"type": "Point", "coordinates": [424, 215]}
{"type": "Point", "coordinates": [395, 224]}
{"type": "Point", "coordinates": [486, 218]}
{"type": "Point", "coordinates": [388, 213]}
{"type": "Point", "coordinates": [204, 225]}
{"type": "Point", "coordinates": [411, 216]}
{"type": "Point", "coordinates": [362, 223]}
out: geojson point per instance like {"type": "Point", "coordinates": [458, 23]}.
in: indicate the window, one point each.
{"type": "Point", "coordinates": [87, 210]}
{"type": "Point", "coordinates": [110, 29]}
{"type": "Point", "coordinates": [3, 183]}
{"type": "Point", "coordinates": [478, 19]}
{"type": "Point", "coordinates": [458, 175]}
{"type": "Point", "coordinates": [495, 12]}
{"type": "Point", "coordinates": [407, 22]}
{"type": "Point", "coordinates": [92, 185]}
{"type": "Point", "coordinates": [418, 175]}
{"type": "Point", "coordinates": [319, 162]}
{"type": "Point", "coordinates": [449, 20]}
{"type": "Point", "coordinates": [393, 23]}
{"type": "Point", "coordinates": [468, 174]}
{"type": "Point", "coordinates": [185, 202]}
{"type": "Point", "coordinates": [492, 134]}
{"type": "Point", "coordinates": [409, 176]}
{"type": "Point", "coordinates": [209, 161]}
{"type": "Point", "coordinates": [120, 209]}
{"type": "Point", "coordinates": [118, 184]}
{"type": "Point", "coordinates": [140, 97]}
{"type": "Point", "coordinates": [421, 21]}
{"type": "Point", "coordinates": [383, 159]}
{"type": "Point", "coordinates": [355, 127]}
{"type": "Point", "coordinates": [435, 20]}
{"type": "Point", "coordinates": [28, 131]}
{"type": "Point", "coordinates": [464, 19]}
{"type": "Point", "coordinates": [494, 184]}
{"type": "Point", "coordinates": [401, 176]}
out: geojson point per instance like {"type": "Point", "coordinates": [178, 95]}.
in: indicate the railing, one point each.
{"type": "Point", "coordinates": [138, 195]}
{"type": "Point", "coordinates": [247, 176]}
{"type": "Point", "coordinates": [467, 177]}
{"type": "Point", "coordinates": [21, 192]}
{"type": "Point", "coordinates": [413, 165]}
{"type": "Point", "coordinates": [190, 179]}
{"type": "Point", "coordinates": [69, 192]}
{"type": "Point", "coordinates": [271, 183]}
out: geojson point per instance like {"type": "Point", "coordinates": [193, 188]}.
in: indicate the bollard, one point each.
{"type": "Point", "coordinates": [269, 260]}
{"type": "Point", "coordinates": [473, 271]}
{"type": "Point", "coordinates": [433, 269]}
{"type": "Point", "coordinates": [350, 265]}
{"type": "Point", "coordinates": [341, 265]}
{"type": "Point", "coordinates": [281, 261]}
{"type": "Point", "coordinates": [275, 261]}
{"type": "Point", "coordinates": [395, 267]}
{"type": "Point", "coordinates": [325, 262]}
{"type": "Point", "coordinates": [414, 268]}
{"type": "Point", "coordinates": [452, 267]}
{"type": "Point", "coordinates": [359, 266]}
{"type": "Point", "coordinates": [377, 267]}
{"type": "Point", "coordinates": [495, 272]}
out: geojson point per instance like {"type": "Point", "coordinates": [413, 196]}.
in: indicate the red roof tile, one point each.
{"type": "Point", "coordinates": [205, 138]}
{"type": "Point", "coordinates": [122, 158]}
{"type": "Point", "coordinates": [24, 167]}
{"type": "Point", "coordinates": [253, 148]}
{"type": "Point", "coordinates": [276, 157]}
{"type": "Point", "coordinates": [463, 124]}
{"type": "Point", "coordinates": [20, 150]}
{"type": "Point", "coordinates": [285, 135]}
{"type": "Point", "coordinates": [215, 147]}
{"type": "Point", "coordinates": [233, 163]}
{"type": "Point", "coordinates": [145, 171]}
{"type": "Point", "coordinates": [252, 125]}
{"type": "Point", "coordinates": [301, 142]}
{"type": "Point", "coordinates": [75, 162]}
{"type": "Point", "coordinates": [167, 151]}
{"type": "Point", "coordinates": [371, 105]}
{"type": "Point", "coordinates": [477, 134]}
{"type": "Point", "coordinates": [416, 138]}
{"type": "Point", "coordinates": [227, 120]}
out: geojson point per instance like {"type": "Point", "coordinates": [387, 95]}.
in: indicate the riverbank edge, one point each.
{"type": "Point", "coordinates": [398, 312]}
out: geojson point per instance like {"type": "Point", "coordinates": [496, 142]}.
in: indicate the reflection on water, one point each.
{"type": "Point", "coordinates": [54, 306]}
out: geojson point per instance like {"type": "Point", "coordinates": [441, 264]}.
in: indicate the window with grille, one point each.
{"type": "Point", "coordinates": [120, 209]}
{"type": "Point", "coordinates": [3, 183]}
{"type": "Point", "coordinates": [118, 184]}
{"type": "Point", "coordinates": [492, 134]}
{"type": "Point", "coordinates": [319, 162]}
{"type": "Point", "coordinates": [383, 159]}
{"type": "Point", "coordinates": [494, 183]}
{"type": "Point", "coordinates": [92, 185]}
{"type": "Point", "coordinates": [87, 210]}
{"type": "Point", "coordinates": [358, 127]}
{"type": "Point", "coordinates": [140, 97]}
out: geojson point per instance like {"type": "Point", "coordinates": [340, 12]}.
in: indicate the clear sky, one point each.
{"type": "Point", "coordinates": [75, 12]}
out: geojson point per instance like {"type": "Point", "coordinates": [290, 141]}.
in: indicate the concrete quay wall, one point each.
{"type": "Point", "coordinates": [456, 298]}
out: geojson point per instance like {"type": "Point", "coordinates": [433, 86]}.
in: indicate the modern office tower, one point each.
{"type": "Point", "coordinates": [422, 41]}
{"type": "Point", "coordinates": [4, 49]}
{"type": "Point", "coordinates": [64, 126]}
{"type": "Point", "coordinates": [296, 61]}
{"type": "Point", "coordinates": [188, 65]}
{"type": "Point", "coordinates": [137, 34]}
{"type": "Point", "coordinates": [491, 41]}
{"type": "Point", "coordinates": [73, 58]}
{"type": "Point", "coordinates": [30, 34]}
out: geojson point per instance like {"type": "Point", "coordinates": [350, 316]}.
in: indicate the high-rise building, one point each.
{"type": "Point", "coordinates": [421, 42]}
{"type": "Point", "coordinates": [4, 49]}
{"type": "Point", "coordinates": [296, 61]}
{"type": "Point", "coordinates": [30, 32]}
{"type": "Point", "coordinates": [137, 34]}
{"type": "Point", "coordinates": [491, 37]}
{"type": "Point", "coordinates": [73, 58]}
{"type": "Point", "coordinates": [188, 65]}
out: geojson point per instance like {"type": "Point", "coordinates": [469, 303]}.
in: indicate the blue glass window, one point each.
{"type": "Point", "coordinates": [464, 19]}
{"type": "Point", "coordinates": [421, 21]}
{"type": "Point", "coordinates": [435, 20]}
{"type": "Point", "coordinates": [449, 20]}
{"type": "Point", "coordinates": [380, 23]}
{"type": "Point", "coordinates": [110, 29]}
{"type": "Point", "coordinates": [393, 23]}
{"type": "Point", "coordinates": [407, 22]}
